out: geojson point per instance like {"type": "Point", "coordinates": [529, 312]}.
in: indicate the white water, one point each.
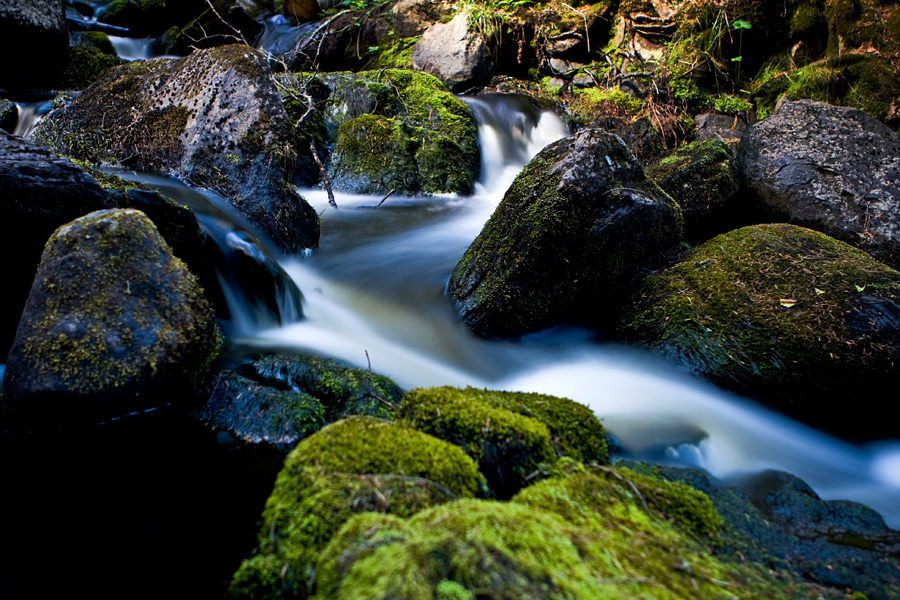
{"type": "Point", "coordinates": [374, 291]}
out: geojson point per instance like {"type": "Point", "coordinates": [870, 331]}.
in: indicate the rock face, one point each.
{"type": "Point", "coordinates": [832, 169]}
{"type": "Point", "coordinates": [214, 119]}
{"type": "Point", "coordinates": [141, 324]}
{"type": "Point", "coordinates": [455, 53]}
{"type": "Point", "coordinates": [782, 314]}
{"type": "Point", "coordinates": [412, 17]}
{"type": "Point", "coordinates": [571, 233]}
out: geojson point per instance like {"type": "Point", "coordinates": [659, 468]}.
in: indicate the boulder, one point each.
{"type": "Point", "coordinates": [42, 191]}
{"type": "Point", "coordinates": [389, 130]}
{"type": "Point", "coordinates": [713, 126]}
{"type": "Point", "coordinates": [455, 53]}
{"type": "Point", "coordinates": [412, 17]}
{"type": "Point", "coordinates": [829, 168]}
{"type": "Point", "coordinates": [572, 232]}
{"type": "Point", "coordinates": [782, 314]}
{"type": "Point", "coordinates": [142, 325]}
{"type": "Point", "coordinates": [702, 178]}
{"type": "Point", "coordinates": [9, 116]}
{"type": "Point", "coordinates": [214, 119]}
{"type": "Point", "coordinates": [33, 35]}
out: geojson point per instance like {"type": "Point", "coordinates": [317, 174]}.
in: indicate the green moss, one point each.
{"type": "Point", "coordinates": [509, 434]}
{"type": "Point", "coordinates": [805, 18]}
{"type": "Point", "coordinates": [394, 53]}
{"type": "Point", "coordinates": [550, 87]}
{"type": "Point", "coordinates": [82, 66]}
{"type": "Point", "coordinates": [774, 311]}
{"type": "Point", "coordinates": [614, 96]}
{"type": "Point", "coordinates": [730, 105]}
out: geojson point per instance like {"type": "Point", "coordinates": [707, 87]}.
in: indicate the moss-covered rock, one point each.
{"type": "Point", "coordinates": [783, 314]}
{"type": "Point", "coordinates": [9, 115]}
{"type": "Point", "coordinates": [214, 119]}
{"type": "Point", "coordinates": [396, 129]}
{"type": "Point", "coordinates": [342, 389]}
{"type": "Point", "coordinates": [573, 230]}
{"type": "Point", "coordinates": [352, 466]}
{"type": "Point", "coordinates": [702, 178]}
{"type": "Point", "coordinates": [509, 434]}
{"type": "Point", "coordinates": [579, 536]}
{"type": "Point", "coordinates": [143, 324]}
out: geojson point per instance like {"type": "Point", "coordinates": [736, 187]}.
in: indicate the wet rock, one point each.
{"type": "Point", "coordinates": [412, 17]}
{"type": "Point", "coordinates": [702, 178]}
{"type": "Point", "coordinates": [782, 314]}
{"type": "Point", "coordinates": [455, 53]}
{"type": "Point", "coordinates": [142, 325]}
{"type": "Point", "coordinates": [214, 119]}
{"type": "Point", "coordinates": [255, 413]}
{"type": "Point", "coordinates": [572, 232]}
{"type": "Point", "coordinates": [832, 169]}
{"type": "Point", "coordinates": [9, 115]}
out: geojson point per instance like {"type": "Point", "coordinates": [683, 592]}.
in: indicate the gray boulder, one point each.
{"type": "Point", "coordinates": [574, 229]}
{"type": "Point", "coordinates": [214, 119]}
{"type": "Point", "coordinates": [832, 169]}
{"type": "Point", "coordinates": [142, 324]}
{"type": "Point", "coordinates": [455, 53]}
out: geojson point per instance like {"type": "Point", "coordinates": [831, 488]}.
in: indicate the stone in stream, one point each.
{"type": "Point", "coordinates": [214, 119]}
{"type": "Point", "coordinates": [112, 315]}
{"type": "Point", "coordinates": [572, 232]}
{"type": "Point", "coordinates": [832, 169]}
{"type": "Point", "coordinates": [785, 315]}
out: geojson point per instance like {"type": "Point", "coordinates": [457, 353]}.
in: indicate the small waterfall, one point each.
{"type": "Point", "coordinates": [133, 48]}
{"type": "Point", "coordinates": [511, 130]}
{"type": "Point", "coordinates": [30, 114]}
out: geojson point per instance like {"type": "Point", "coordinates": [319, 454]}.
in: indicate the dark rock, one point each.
{"type": "Point", "coordinates": [702, 179]}
{"type": "Point", "coordinates": [342, 389]}
{"type": "Point", "coordinates": [256, 413]}
{"type": "Point", "coordinates": [782, 314]}
{"type": "Point", "coordinates": [202, 26]}
{"type": "Point", "coordinates": [412, 17]}
{"type": "Point", "coordinates": [142, 325]}
{"type": "Point", "coordinates": [832, 169]}
{"type": "Point", "coordinates": [214, 119]}
{"type": "Point", "coordinates": [571, 234]}
{"type": "Point", "coordinates": [455, 53]}
{"type": "Point", "coordinates": [33, 35]}
{"type": "Point", "coordinates": [776, 519]}
{"type": "Point", "coordinates": [9, 115]}
{"type": "Point", "coordinates": [713, 126]}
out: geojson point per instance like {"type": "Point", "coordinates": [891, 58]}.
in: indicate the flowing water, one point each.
{"type": "Point", "coordinates": [375, 292]}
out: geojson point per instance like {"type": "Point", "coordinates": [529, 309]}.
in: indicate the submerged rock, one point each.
{"type": "Point", "coordinates": [832, 169]}
{"type": "Point", "coordinates": [572, 232]}
{"type": "Point", "coordinates": [214, 119]}
{"type": "Point", "coordinates": [142, 323]}
{"type": "Point", "coordinates": [789, 316]}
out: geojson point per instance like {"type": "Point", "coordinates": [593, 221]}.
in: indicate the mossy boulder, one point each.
{"type": "Point", "coordinates": [396, 130]}
{"type": "Point", "coordinates": [783, 314]}
{"type": "Point", "coordinates": [829, 168]}
{"type": "Point", "coordinates": [508, 434]}
{"type": "Point", "coordinates": [572, 232]}
{"type": "Point", "coordinates": [9, 115]}
{"type": "Point", "coordinates": [214, 119]}
{"type": "Point", "coordinates": [579, 536]}
{"type": "Point", "coordinates": [342, 389]}
{"type": "Point", "coordinates": [42, 191]}
{"type": "Point", "coordinates": [352, 466]}
{"type": "Point", "coordinates": [142, 325]}
{"type": "Point", "coordinates": [702, 178]}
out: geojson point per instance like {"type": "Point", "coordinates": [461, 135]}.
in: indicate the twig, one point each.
{"type": "Point", "coordinates": [233, 28]}
{"type": "Point", "coordinates": [633, 487]}
{"type": "Point", "coordinates": [322, 172]}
